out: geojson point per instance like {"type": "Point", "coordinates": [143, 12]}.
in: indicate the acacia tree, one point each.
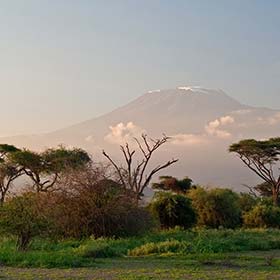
{"type": "Point", "coordinates": [9, 171]}
{"type": "Point", "coordinates": [135, 176]}
{"type": "Point", "coordinates": [169, 183]}
{"type": "Point", "coordinates": [44, 169]}
{"type": "Point", "coordinates": [262, 157]}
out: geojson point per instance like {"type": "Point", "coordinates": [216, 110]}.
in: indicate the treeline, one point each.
{"type": "Point", "coordinates": [69, 195]}
{"type": "Point", "coordinates": [211, 208]}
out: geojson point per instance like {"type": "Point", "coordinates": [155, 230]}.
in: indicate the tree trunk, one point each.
{"type": "Point", "coordinates": [23, 242]}
{"type": "Point", "coordinates": [275, 197]}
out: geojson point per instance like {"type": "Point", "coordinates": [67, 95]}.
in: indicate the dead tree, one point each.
{"type": "Point", "coordinates": [135, 177]}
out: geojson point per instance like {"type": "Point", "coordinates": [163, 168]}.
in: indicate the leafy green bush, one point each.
{"type": "Point", "coordinates": [247, 202]}
{"type": "Point", "coordinates": [173, 210]}
{"type": "Point", "coordinates": [263, 216]}
{"type": "Point", "coordinates": [216, 207]}
{"type": "Point", "coordinates": [166, 247]}
{"type": "Point", "coordinates": [21, 216]}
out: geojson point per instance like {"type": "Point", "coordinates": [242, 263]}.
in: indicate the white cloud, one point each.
{"type": "Point", "coordinates": [89, 139]}
{"type": "Point", "coordinates": [122, 133]}
{"type": "Point", "coordinates": [226, 120]}
{"type": "Point", "coordinates": [187, 139]}
{"type": "Point", "coordinates": [217, 127]}
{"type": "Point", "coordinates": [274, 119]}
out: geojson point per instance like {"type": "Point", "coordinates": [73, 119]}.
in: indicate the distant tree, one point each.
{"type": "Point", "coordinates": [134, 176]}
{"type": "Point", "coordinates": [9, 171]}
{"type": "Point", "coordinates": [216, 207]}
{"type": "Point", "coordinates": [173, 210]}
{"type": "Point", "coordinates": [44, 169]}
{"type": "Point", "coordinates": [262, 157]}
{"type": "Point", "coordinates": [262, 216]}
{"type": "Point", "coordinates": [169, 183]}
{"type": "Point", "coordinates": [6, 149]}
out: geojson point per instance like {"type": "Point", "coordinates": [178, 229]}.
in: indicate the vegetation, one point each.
{"type": "Point", "coordinates": [45, 168]}
{"type": "Point", "coordinates": [21, 217]}
{"type": "Point", "coordinates": [199, 245]}
{"type": "Point", "coordinates": [9, 171]}
{"type": "Point", "coordinates": [169, 183]}
{"type": "Point", "coordinates": [173, 210]}
{"type": "Point", "coordinates": [262, 158]}
{"type": "Point", "coordinates": [262, 216]}
{"type": "Point", "coordinates": [77, 213]}
{"type": "Point", "coordinates": [216, 207]}
{"type": "Point", "coordinates": [134, 176]}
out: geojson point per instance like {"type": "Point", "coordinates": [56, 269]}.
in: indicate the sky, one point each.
{"type": "Point", "coordinates": [66, 61]}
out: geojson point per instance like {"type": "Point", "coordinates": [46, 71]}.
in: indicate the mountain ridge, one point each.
{"type": "Point", "coordinates": [202, 123]}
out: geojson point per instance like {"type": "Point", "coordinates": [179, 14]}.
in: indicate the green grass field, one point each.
{"type": "Point", "coordinates": [176, 254]}
{"type": "Point", "coordinates": [249, 265]}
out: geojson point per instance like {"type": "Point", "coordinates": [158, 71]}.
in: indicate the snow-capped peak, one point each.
{"type": "Point", "coordinates": [154, 90]}
{"type": "Point", "coordinates": [191, 88]}
{"type": "Point", "coordinates": [199, 89]}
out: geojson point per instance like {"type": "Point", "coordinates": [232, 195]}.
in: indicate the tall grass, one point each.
{"type": "Point", "coordinates": [83, 253]}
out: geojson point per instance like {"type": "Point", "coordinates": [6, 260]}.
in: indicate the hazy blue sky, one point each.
{"type": "Point", "coordinates": [64, 61]}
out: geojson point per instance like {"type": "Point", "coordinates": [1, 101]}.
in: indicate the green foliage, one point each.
{"type": "Point", "coordinates": [191, 244]}
{"type": "Point", "coordinates": [173, 210]}
{"type": "Point", "coordinates": [165, 247]}
{"type": "Point", "coordinates": [267, 151]}
{"type": "Point", "coordinates": [216, 207]}
{"type": "Point", "coordinates": [261, 157]}
{"type": "Point", "coordinates": [9, 171]}
{"type": "Point", "coordinates": [45, 168]}
{"type": "Point", "coordinates": [264, 189]}
{"type": "Point", "coordinates": [169, 183]}
{"type": "Point", "coordinates": [247, 202]}
{"type": "Point", "coordinates": [263, 216]}
{"type": "Point", "coordinates": [20, 216]}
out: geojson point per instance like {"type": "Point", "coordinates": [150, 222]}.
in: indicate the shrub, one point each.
{"type": "Point", "coordinates": [90, 205]}
{"type": "Point", "coordinates": [263, 216]}
{"type": "Point", "coordinates": [173, 210]}
{"type": "Point", "coordinates": [247, 202]}
{"type": "Point", "coordinates": [216, 207]}
{"type": "Point", "coordinates": [22, 217]}
{"type": "Point", "coordinates": [166, 247]}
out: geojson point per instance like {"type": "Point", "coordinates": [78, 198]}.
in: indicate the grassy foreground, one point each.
{"type": "Point", "coordinates": [176, 254]}
{"type": "Point", "coordinates": [249, 265]}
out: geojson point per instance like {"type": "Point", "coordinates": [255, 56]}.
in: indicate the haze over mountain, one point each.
{"type": "Point", "coordinates": [202, 124]}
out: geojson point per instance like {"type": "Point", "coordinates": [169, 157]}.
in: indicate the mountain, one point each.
{"type": "Point", "coordinates": [202, 123]}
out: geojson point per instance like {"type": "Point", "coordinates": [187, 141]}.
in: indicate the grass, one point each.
{"type": "Point", "coordinates": [174, 254]}
{"type": "Point", "coordinates": [85, 253]}
{"type": "Point", "coordinates": [249, 265]}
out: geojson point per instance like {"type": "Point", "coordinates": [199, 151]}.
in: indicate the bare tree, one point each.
{"type": "Point", "coordinates": [135, 177]}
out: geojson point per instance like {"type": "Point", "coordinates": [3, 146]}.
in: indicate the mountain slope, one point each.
{"type": "Point", "coordinates": [202, 123]}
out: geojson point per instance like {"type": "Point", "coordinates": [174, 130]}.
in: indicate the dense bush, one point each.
{"type": "Point", "coordinates": [216, 207]}
{"type": "Point", "coordinates": [173, 210]}
{"type": "Point", "coordinates": [247, 202]}
{"type": "Point", "coordinates": [263, 216]}
{"type": "Point", "coordinates": [21, 216]}
{"type": "Point", "coordinates": [90, 205]}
